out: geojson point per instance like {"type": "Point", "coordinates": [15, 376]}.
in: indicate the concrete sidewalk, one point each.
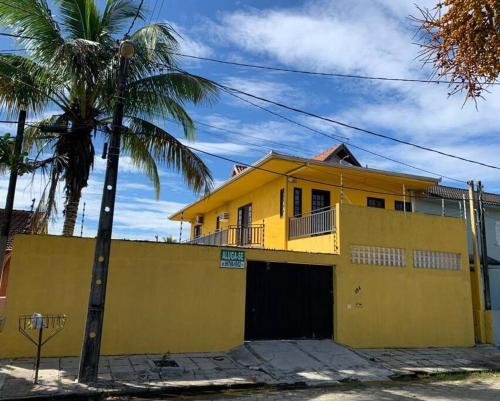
{"type": "Point", "coordinates": [261, 363]}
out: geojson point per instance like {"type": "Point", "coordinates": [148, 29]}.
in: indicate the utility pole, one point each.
{"type": "Point", "coordinates": [484, 247]}
{"type": "Point", "coordinates": [477, 282]}
{"type": "Point", "coordinates": [89, 359]}
{"type": "Point", "coordinates": [14, 169]}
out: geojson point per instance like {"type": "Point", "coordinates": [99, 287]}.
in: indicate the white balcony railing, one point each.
{"type": "Point", "coordinates": [252, 235]}
{"type": "Point", "coordinates": [318, 222]}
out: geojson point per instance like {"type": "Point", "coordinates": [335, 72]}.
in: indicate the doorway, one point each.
{"type": "Point", "coordinates": [288, 301]}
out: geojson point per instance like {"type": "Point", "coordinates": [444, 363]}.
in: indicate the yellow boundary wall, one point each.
{"type": "Point", "coordinates": [378, 306]}
{"type": "Point", "coordinates": [175, 298]}
{"type": "Point", "coordinates": [161, 297]}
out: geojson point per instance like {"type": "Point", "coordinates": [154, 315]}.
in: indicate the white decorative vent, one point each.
{"type": "Point", "coordinates": [437, 260]}
{"type": "Point", "coordinates": [371, 255]}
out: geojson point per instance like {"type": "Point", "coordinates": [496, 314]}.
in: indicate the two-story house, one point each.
{"type": "Point", "coordinates": [400, 277]}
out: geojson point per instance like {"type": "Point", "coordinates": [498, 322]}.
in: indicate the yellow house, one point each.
{"type": "Point", "coordinates": [285, 202]}
{"type": "Point", "coordinates": [398, 277]}
{"type": "Point", "coordinates": [287, 248]}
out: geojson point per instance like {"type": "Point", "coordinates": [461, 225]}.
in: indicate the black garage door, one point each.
{"type": "Point", "coordinates": [285, 301]}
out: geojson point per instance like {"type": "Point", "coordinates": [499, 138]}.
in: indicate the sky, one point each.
{"type": "Point", "coordinates": [362, 37]}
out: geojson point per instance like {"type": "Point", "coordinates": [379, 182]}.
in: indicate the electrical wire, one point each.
{"type": "Point", "coordinates": [238, 134]}
{"type": "Point", "coordinates": [234, 161]}
{"type": "Point", "coordinates": [12, 35]}
{"type": "Point", "coordinates": [135, 18]}
{"type": "Point", "coordinates": [358, 147]}
{"type": "Point", "coordinates": [152, 12]}
{"type": "Point", "coordinates": [351, 145]}
{"type": "Point", "coordinates": [231, 90]}
{"type": "Point", "coordinates": [324, 74]}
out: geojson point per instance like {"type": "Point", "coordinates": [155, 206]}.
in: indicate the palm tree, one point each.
{"type": "Point", "coordinates": [70, 63]}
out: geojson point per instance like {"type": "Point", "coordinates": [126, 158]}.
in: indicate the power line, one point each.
{"type": "Point", "coordinates": [324, 74]}
{"type": "Point", "coordinates": [12, 35]}
{"type": "Point", "coordinates": [239, 134]}
{"type": "Point", "coordinates": [310, 114]}
{"type": "Point", "coordinates": [152, 12]}
{"type": "Point", "coordinates": [358, 147]}
{"type": "Point", "coordinates": [308, 179]}
{"type": "Point", "coordinates": [12, 50]}
{"type": "Point", "coordinates": [135, 18]}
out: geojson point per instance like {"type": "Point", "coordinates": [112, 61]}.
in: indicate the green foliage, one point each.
{"type": "Point", "coordinates": [71, 62]}
{"type": "Point", "coordinates": [170, 240]}
{"type": "Point", "coordinates": [8, 159]}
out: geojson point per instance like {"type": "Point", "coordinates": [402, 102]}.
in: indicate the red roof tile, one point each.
{"type": "Point", "coordinates": [324, 155]}
{"type": "Point", "coordinates": [19, 224]}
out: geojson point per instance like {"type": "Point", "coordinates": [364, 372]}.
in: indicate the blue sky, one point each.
{"type": "Point", "coordinates": [367, 37]}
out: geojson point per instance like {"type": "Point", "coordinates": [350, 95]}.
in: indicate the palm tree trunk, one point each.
{"type": "Point", "coordinates": [70, 214]}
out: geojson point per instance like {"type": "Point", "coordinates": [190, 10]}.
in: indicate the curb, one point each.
{"type": "Point", "coordinates": [190, 390]}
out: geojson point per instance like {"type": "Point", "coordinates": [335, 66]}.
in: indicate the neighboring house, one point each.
{"type": "Point", "coordinates": [400, 277]}
{"type": "Point", "coordinates": [20, 224]}
{"type": "Point", "coordinates": [442, 200]}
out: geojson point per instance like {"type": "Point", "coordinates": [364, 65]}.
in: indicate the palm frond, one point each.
{"type": "Point", "coordinates": [32, 19]}
{"type": "Point", "coordinates": [81, 19]}
{"type": "Point", "coordinates": [169, 151]}
{"type": "Point", "coordinates": [117, 14]}
{"type": "Point", "coordinates": [152, 104]}
{"type": "Point", "coordinates": [141, 157]}
{"type": "Point", "coordinates": [179, 86]}
{"type": "Point", "coordinates": [39, 136]}
{"type": "Point", "coordinates": [25, 84]}
{"type": "Point", "coordinates": [154, 45]}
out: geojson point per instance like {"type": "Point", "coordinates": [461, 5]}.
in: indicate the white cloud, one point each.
{"type": "Point", "coordinates": [264, 88]}
{"type": "Point", "coordinates": [188, 44]}
{"type": "Point", "coordinates": [220, 148]}
{"type": "Point", "coordinates": [371, 37]}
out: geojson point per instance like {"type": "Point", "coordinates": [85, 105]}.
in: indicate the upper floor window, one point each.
{"type": "Point", "coordinates": [375, 202]}
{"type": "Point", "coordinates": [282, 202]}
{"type": "Point", "coordinates": [197, 231]}
{"type": "Point", "coordinates": [402, 206]}
{"type": "Point", "coordinates": [320, 200]}
{"type": "Point", "coordinates": [297, 202]}
{"type": "Point", "coordinates": [217, 223]}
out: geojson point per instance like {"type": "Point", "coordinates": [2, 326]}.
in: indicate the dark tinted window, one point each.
{"type": "Point", "coordinates": [197, 231]}
{"type": "Point", "coordinates": [320, 199]}
{"type": "Point", "coordinates": [400, 205]}
{"type": "Point", "coordinates": [297, 202]}
{"type": "Point", "coordinates": [282, 202]}
{"type": "Point", "coordinates": [376, 202]}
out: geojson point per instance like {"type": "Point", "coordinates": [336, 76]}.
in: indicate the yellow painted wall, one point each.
{"type": "Point", "coordinates": [377, 306]}
{"type": "Point", "coordinates": [320, 244]}
{"type": "Point", "coordinates": [265, 206]}
{"type": "Point", "coordinates": [175, 298]}
{"type": "Point", "coordinates": [265, 210]}
{"type": "Point", "coordinates": [161, 297]}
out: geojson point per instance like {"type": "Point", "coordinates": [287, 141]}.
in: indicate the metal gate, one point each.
{"type": "Point", "coordinates": [288, 301]}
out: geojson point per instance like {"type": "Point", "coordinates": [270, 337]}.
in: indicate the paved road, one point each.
{"type": "Point", "coordinates": [485, 388]}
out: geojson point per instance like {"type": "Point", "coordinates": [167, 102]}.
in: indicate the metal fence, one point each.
{"type": "Point", "coordinates": [319, 222]}
{"type": "Point", "coordinates": [252, 235]}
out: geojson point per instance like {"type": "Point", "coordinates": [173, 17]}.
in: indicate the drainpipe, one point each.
{"type": "Point", "coordinates": [478, 294]}
{"type": "Point", "coordinates": [484, 248]}
{"type": "Point", "coordinates": [341, 189]}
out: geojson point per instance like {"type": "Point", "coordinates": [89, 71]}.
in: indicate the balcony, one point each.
{"type": "Point", "coordinates": [319, 222]}
{"type": "Point", "coordinates": [252, 235]}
